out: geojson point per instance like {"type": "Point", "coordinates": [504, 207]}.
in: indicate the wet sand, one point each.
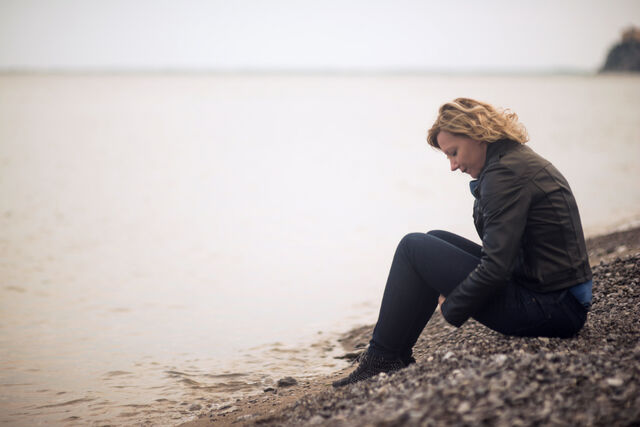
{"type": "Point", "coordinates": [473, 375]}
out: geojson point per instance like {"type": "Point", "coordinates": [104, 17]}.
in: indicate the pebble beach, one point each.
{"type": "Point", "coordinates": [474, 376]}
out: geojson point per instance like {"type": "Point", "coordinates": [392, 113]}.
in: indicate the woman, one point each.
{"type": "Point", "coordinates": [530, 277]}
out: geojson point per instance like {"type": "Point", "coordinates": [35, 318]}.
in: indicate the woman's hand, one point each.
{"type": "Point", "coordinates": [441, 299]}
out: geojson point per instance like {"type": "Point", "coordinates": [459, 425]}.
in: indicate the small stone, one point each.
{"type": "Point", "coordinates": [316, 419]}
{"type": "Point", "coordinates": [195, 407]}
{"type": "Point", "coordinates": [269, 389]}
{"type": "Point", "coordinates": [464, 407]}
{"type": "Point", "coordinates": [228, 410]}
{"type": "Point", "coordinates": [615, 381]}
{"type": "Point", "coordinates": [499, 359]}
{"type": "Point", "coordinates": [448, 355]}
{"type": "Point", "coordinates": [287, 382]}
{"type": "Point", "coordinates": [245, 417]}
{"type": "Point", "coordinates": [325, 413]}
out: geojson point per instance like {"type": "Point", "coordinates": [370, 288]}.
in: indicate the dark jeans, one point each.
{"type": "Point", "coordinates": [426, 265]}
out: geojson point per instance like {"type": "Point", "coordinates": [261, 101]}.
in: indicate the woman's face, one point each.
{"type": "Point", "coordinates": [463, 153]}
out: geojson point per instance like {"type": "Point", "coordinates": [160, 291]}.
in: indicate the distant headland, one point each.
{"type": "Point", "coordinates": [625, 55]}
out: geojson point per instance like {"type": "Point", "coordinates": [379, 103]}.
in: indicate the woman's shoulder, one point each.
{"type": "Point", "coordinates": [517, 160]}
{"type": "Point", "coordinates": [512, 168]}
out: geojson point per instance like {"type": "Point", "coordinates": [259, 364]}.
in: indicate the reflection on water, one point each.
{"type": "Point", "coordinates": [170, 242]}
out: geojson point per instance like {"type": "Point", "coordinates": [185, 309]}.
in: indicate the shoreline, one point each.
{"type": "Point", "coordinates": [610, 254]}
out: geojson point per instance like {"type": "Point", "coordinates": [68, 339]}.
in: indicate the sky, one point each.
{"type": "Point", "coordinates": [311, 35]}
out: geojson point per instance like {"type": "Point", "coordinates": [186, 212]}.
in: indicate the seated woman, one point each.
{"type": "Point", "coordinates": [531, 276]}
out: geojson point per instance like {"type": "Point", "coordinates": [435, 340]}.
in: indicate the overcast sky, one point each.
{"type": "Point", "coordinates": [459, 35]}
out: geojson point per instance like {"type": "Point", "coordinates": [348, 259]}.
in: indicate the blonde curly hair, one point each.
{"type": "Point", "coordinates": [477, 120]}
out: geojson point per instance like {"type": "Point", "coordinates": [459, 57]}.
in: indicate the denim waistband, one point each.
{"type": "Point", "coordinates": [582, 293]}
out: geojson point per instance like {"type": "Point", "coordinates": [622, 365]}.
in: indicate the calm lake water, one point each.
{"type": "Point", "coordinates": [168, 240]}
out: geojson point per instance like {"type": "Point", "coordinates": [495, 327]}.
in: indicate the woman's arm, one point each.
{"type": "Point", "coordinates": [505, 199]}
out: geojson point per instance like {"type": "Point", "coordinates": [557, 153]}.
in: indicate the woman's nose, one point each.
{"type": "Point", "coordinates": [454, 164]}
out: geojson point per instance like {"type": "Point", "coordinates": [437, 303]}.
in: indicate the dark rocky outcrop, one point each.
{"type": "Point", "coordinates": [625, 56]}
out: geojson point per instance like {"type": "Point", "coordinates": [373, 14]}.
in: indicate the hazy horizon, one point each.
{"type": "Point", "coordinates": [305, 71]}
{"type": "Point", "coordinates": [461, 36]}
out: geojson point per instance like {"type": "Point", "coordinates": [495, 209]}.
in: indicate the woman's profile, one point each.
{"type": "Point", "coordinates": [531, 275]}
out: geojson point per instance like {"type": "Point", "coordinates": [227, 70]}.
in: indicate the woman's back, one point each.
{"type": "Point", "coordinates": [552, 253]}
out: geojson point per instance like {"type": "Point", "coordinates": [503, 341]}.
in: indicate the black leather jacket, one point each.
{"type": "Point", "coordinates": [528, 220]}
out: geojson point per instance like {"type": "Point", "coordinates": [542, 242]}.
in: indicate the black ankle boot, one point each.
{"type": "Point", "coordinates": [370, 366]}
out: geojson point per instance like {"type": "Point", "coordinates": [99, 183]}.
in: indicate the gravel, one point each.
{"type": "Point", "coordinates": [474, 376]}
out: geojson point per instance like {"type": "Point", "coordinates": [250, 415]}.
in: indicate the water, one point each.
{"type": "Point", "coordinates": [190, 238]}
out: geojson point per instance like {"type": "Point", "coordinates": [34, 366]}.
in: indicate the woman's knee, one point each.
{"type": "Point", "coordinates": [440, 234]}
{"type": "Point", "coordinates": [410, 240]}
{"type": "Point", "coordinates": [458, 241]}
{"type": "Point", "coordinates": [418, 244]}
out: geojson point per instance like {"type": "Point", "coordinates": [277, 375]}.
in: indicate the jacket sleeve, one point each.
{"type": "Point", "coordinates": [505, 199]}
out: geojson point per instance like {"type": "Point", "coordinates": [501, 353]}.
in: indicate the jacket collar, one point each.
{"type": "Point", "coordinates": [495, 150]}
